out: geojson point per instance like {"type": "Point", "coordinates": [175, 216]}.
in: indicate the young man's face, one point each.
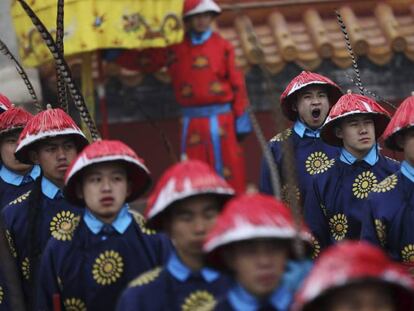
{"type": "Point", "coordinates": [357, 134]}
{"type": "Point", "coordinates": [7, 148]}
{"type": "Point", "coordinates": [406, 142]}
{"type": "Point", "coordinates": [189, 222]}
{"type": "Point", "coordinates": [258, 265]}
{"type": "Point", "coordinates": [54, 155]}
{"type": "Point", "coordinates": [367, 297]}
{"type": "Point", "coordinates": [200, 22]}
{"type": "Point", "coordinates": [104, 189]}
{"type": "Point", "coordinates": [312, 105]}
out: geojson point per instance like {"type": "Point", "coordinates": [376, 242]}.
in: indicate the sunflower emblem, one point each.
{"type": "Point", "coordinates": [287, 190]}
{"type": "Point", "coordinates": [108, 267]}
{"type": "Point", "coordinates": [197, 300]}
{"type": "Point", "coordinates": [363, 184]}
{"type": "Point", "coordinates": [26, 268]}
{"type": "Point", "coordinates": [140, 220]}
{"type": "Point", "coordinates": [63, 224]}
{"type": "Point", "coordinates": [316, 247]}
{"type": "Point", "coordinates": [187, 90]}
{"type": "Point", "coordinates": [216, 88]}
{"type": "Point", "coordinates": [74, 304]}
{"type": "Point", "coordinates": [1, 295]}
{"type": "Point", "coordinates": [387, 184]}
{"type": "Point", "coordinates": [407, 253]}
{"type": "Point", "coordinates": [21, 198]}
{"type": "Point", "coordinates": [200, 62]}
{"type": "Point", "coordinates": [339, 226]}
{"type": "Point", "coordinates": [11, 244]}
{"type": "Point", "coordinates": [282, 135]}
{"type": "Point", "coordinates": [380, 229]}
{"type": "Point", "coordinates": [146, 277]}
{"type": "Point", "coordinates": [318, 162]}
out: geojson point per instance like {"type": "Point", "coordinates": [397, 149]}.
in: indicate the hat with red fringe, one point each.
{"type": "Point", "coordinates": [402, 120]}
{"type": "Point", "coordinates": [108, 151]}
{"type": "Point", "coordinates": [5, 103]}
{"type": "Point", "coordinates": [49, 123]}
{"type": "Point", "coordinates": [181, 181]}
{"type": "Point", "coordinates": [193, 7]}
{"type": "Point", "coordinates": [13, 119]}
{"type": "Point", "coordinates": [349, 263]}
{"type": "Point", "coordinates": [353, 104]}
{"type": "Point", "coordinates": [249, 217]}
{"type": "Point", "coordinates": [306, 78]}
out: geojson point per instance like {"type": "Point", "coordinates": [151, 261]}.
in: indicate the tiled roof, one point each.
{"type": "Point", "coordinates": [377, 31]}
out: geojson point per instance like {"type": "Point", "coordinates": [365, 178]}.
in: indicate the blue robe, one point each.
{"type": "Point", "coordinates": [13, 185]}
{"type": "Point", "coordinates": [56, 217]}
{"type": "Point", "coordinates": [389, 219]}
{"type": "Point", "coordinates": [312, 158]}
{"type": "Point", "coordinates": [173, 288]}
{"type": "Point", "coordinates": [4, 294]}
{"type": "Point", "coordinates": [334, 208]}
{"type": "Point", "coordinates": [90, 271]}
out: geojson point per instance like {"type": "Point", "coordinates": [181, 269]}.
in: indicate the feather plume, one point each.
{"type": "Point", "coordinates": [4, 50]}
{"type": "Point", "coordinates": [61, 86]}
{"type": "Point", "coordinates": [64, 68]}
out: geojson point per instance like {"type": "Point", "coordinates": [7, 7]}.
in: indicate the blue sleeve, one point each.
{"type": "Point", "coordinates": [47, 285]}
{"type": "Point", "coordinates": [315, 216]}
{"type": "Point", "coordinates": [368, 229]}
{"type": "Point", "coordinates": [265, 183]}
{"type": "Point", "coordinates": [243, 124]}
{"type": "Point", "coordinates": [133, 299]}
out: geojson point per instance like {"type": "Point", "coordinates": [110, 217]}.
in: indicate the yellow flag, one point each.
{"type": "Point", "coordinates": [99, 24]}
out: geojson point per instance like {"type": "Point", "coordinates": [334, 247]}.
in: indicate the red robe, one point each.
{"type": "Point", "coordinates": [205, 76]}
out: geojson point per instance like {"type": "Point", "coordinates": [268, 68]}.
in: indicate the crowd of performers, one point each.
{"type": "Point", "coordinates": [202, 243]}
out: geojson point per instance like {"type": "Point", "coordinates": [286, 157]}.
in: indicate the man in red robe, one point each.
{"type": "Point", "coordinates": [212, 93]}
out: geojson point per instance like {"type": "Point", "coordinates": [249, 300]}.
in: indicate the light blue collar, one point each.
{"type": "Point", "coordinates": [49, 189]}
{"type": "Point", "coordinates": [181, 272]}
{"type": "Point", "coordinates": [302, 130]}
{"type": "Point", "coordinates": [15, 179]}
{"type": "Point", "coordinates": [371, 158]}
{"type": "Point", "coordinates": [200, 38]}
{"type": "Point", "coordinates": [240, 299]}
{"type": "Point", "coordinates": [407, 170]}
{"type": "Point", "coordinates": [120, 224]}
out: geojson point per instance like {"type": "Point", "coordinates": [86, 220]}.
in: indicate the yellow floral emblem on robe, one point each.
{"type": "Point", "coordinates": [63, 224]}
{"type": "Point", "coordinates": [21, 198]}
{"type": "Point", "coordinates": [363, 184]}
{"type": "Point", "coordinates": [284, 192]}
{"type": "Point", "coordinates": [407, 253]}
{"type": "Point", "coordinates": [381, 231]}
{"type": "Point", "coordinates": [1, 295]}
{"type": "Point", "coordinates": [318, 162]}
{"type": "Point", "coordinates": [108, 267]}
{"type": "Point", "coordinates": [197, 299]}
{"type": "Point", "coordinates": [387, 184]}
{"type": "Point", "coordinates": [339, 226]}
{"type": "Point", "coordinates": [316, 247]}
{"type": "Point", "coordinates": [200, 61]}
{"type": "Point", "coordinates": [74, 304]}
{"type": "Point", "coordinates": [146, 277]}
{"type": "Point", "coordinates": [10, 241]}
{"type": "Point", "coordinates": [282, 136]}
{"type": "Point", "coordinates": [140, 220]}
{"type": "Point", "coordinates": [26, 268]}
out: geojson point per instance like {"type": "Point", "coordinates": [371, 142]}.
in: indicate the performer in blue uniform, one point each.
{"type": "Point", "coordinates": [306, 101]}
{"type": "Point", "coordinates": [334, 207]}
{"type": "Point", "coordinates": [111, 245]}
{"type": "Point", "coordinates": [16, 178]}
{"type": "Point", "coordinates": [389, 220]}
{"type": "Point", "coordinates": [184, 204]}
{"type": "Point", "coordinates": [253, 240]}
{"type": "Point", "coordinates": [50, 139]}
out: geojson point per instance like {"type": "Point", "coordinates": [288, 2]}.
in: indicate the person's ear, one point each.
{"type": "Point", "coordinates": [79, 191]}
{"type": "Point", "coordinates": [34, 156]}
{"type": "Point", "coordinates": [338, 132]}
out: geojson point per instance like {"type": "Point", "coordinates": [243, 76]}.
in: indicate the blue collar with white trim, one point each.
{"type": "Point", "coordinates": [50, 190]}
{"type": "Point", "coordinates": [198, 38]}
{"type": "Point", "coordinates": [15, 179]}
{"type": "Point", "coordinates": [407, 170]}
{"type": "Point", "coordinates": [302, 130]}
{"type": "Point", "coordinates": [371, 158]}
{"type": "Point", "coordinates": [120, 224]}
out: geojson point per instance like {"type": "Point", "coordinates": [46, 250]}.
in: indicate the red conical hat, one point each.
{"type": "Point", "coordinates": [181, 181]}
{"type": "Point", "coordinates": [47, 124]}
{"type": "Point", "coordinates": [249, 217]}
{"type": "Point", "coordinates": [193, 7]}
{"type": "Point", "coordinates": [351, 104]}
{"type": "Point", "coordinates": [108, 151]}
{"type": "Point", "coordinates": [13, 119]}
{"type": "Point", "coordinates": [349, 263]}
{"type": "Point", "coordinates": [5, 103]}
{"type": "Point", "coordinates": [403, 119]}
{"type": "Point", "coordinates": [304, 79]}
